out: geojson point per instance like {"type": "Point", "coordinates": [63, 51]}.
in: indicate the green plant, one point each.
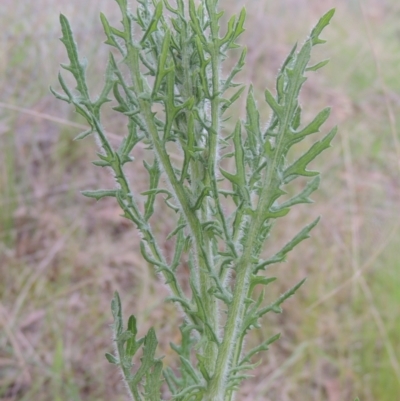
{"type": "Point", "coordinates": [176, 92]}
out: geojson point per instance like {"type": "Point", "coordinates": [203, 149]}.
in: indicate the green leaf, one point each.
{"type": "Point", "coordinates": [313, 126]}
{"type": "Point", "coordinates": [195, 22]}
{"type": "Point", "coordinates": [77, 68]}
{"type": "Point", "coordinates": [131, 344]}
{"type": "Point", "coordinates": [317, 66]}
{"type": "Point", "coordinates": [202, 366]}
{"type": "Point", "coordinates": [259, 280]}
{"type": "Point", "coordinates": [171, 379]}
{"type": "Point", "coordinates": [117, 314]}
{"type": "Point", "coordinates": [274, 214]}
{"type": "Point", "coordinates": [84, 134]}
{"type": "Point", "coordinates": [253, 121]}
{"type": "Point", "coordinates": [204, 193]}
{"type": "Point", "coordinates": [154, 22]}
{"type": "Point", "coordinates": [299, 166]}
{"type": "Point", "coordinates": [154, 382]}
{"type": "Point", "coordinates": [100, 193]}
{"type": "Point", "coordinates": [240, 22]}
{"type": "Point", "coordinates": [149, 258]}
{"type": "Point", "coordinates": [129, 142]}
{"type": "Point", "coordinates": [187, 366]}
{"type": "Point", "coordinates": [112, 359]}
{"type": "Point", "coordinates": [154, 174]}
{"type": "Point", "coordinates": [264, 346]}
{"type": "Point", "coordinates": [107, 29]}
{"type": "Point", "coordinates": [110, 32]}
{"type": "Point", "coordinates": [270, 99]}
{"type": "Point", "coordinates": [176, 231]}
{"type": "Point", "coordinates": [162, 69]}
{"type": "Point", "coordinates": [147, 361]}
{"type": "Point", "coordinates": [232, 99]}
{"type": "Point", "coordinates": [230, 31]}
{"type": "Point", "coordinates": [237, 68]}
{"type": "Point", "coordinates": [303, 196]}
{"type": "Point", "coordinates": [187, 393]}
{"type": "Point", "coordinates": [124, 337]}
{"type": "Point", "coordinates": [322, 23]}
{"type": "Point", "coordinates": [101, 163]}
{"type": "Point", "coordinates": [281, 255]}
{"type": "Point", "coordinates": [275, 306]}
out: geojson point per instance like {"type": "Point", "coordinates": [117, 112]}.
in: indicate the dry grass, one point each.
{"type": "Point", "coordinates": [62, 256]}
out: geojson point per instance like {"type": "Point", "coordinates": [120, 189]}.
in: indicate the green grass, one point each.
{"type": "Point", "coordinates": [61, 247]}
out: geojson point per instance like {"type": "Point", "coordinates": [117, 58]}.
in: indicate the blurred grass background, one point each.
{"type": "Point", "coordinates": [62, 255]}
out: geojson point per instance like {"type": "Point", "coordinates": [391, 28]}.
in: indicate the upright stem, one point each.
{"type": "Point", "coordinates": [202, 256]}
{"type": "Point", "coordinates": [210, 302]}
{"type": "Point", "coordinates": [216, 390]}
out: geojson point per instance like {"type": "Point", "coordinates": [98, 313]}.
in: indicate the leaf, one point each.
{"type": "Point", "coordinates": [195, 22]}
{"type": "Point", "coordinates": [303, 196]}
{"type": "Point", "coordinates": [277, 109]}
{"type": "Point", "coordinates": [322, 23]}
{"type": "Point", "coordinates": [110, 32]}
{"type": "Point", "coordinates": [313, 126]}
{"type": "Point", "coordinates": [101, 163]}
{"type": "Point", "coordinates": [131, 344]}
{"type": "Point", "coordinates": [154, 177]}
{"type": "Point", "coordinates": [187, 366]}
{"type": "Point", "coordinates": [253, 121]}
{"type": "Point", "coordinates": [232, 99]}
{"type": "Point", "coordinates": [77, 68]}
{"type": "Point", "coordinates": [264, 346]}
{"type": "Point", "coordinates": [259, 280]}
{"type": "Point", "coordinates": [84, 134]}
{"type": "Point", "coordinates": [275, 306]}
{"type": "Point", "coordinates": [101, 193]}
{"type": "Point", "coordinates": [274, 214]}
{"type": "Point", "coordinates": [317, 66]}
{"type": "Point", "coordinates": [117, 314]}
{"type": "Point", "coordinates": [176, 230]}
{"type": "Point", "coordinates": [154, 22]}
{"type": "Point", "coordinates": [162, 71]}
{"type": "Point", "coordinates": [171, 379]}
{"type": "Point", "coordinates": [188, 392]}
{"type": "Point", "coordinates": [204, 193]}
{"type": "Point", "coordinates": [281, 255]}
{"type": "Point", "coordinates": [147, 361]}
{"type": "Point", "coordinates": [240, 22]}
{"type": "Point", "coordinates": [299, 166]}
{"type": "Point", "coordinates": [154, 382]}
{"type": "Point", "coordinates": [129, 142]}
{"type": "Point", "coordinates": [112, 359]}
{"type": "Point", "coordinates": [124, 337]}
{"type": "Point", "coordinates": [202, 366]}
{"type": "Point", "coordinates": [230, 30]}
{"type": "Point", "coordinates": [149, 258]}
{"type": "Point", "coordinates": [239, 179]}
{"type": "Point", "coordinates": [237, 68]}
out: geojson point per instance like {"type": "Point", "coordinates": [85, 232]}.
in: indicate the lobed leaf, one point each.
{"type": "Point", "coordinates": [299, 166]}
{"type": "Point", "coordinates": [76, 67]}
{"type": "Point", "coordinates": [281, 255]}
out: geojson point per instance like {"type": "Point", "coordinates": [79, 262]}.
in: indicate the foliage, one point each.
{"type": "Point", "coordinates": [176, 93]}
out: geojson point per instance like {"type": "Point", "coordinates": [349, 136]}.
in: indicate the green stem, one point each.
{"type": "Point", "coordinates": [216, 390]}
{"type": "Point", "coordinates": [202, 260]}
